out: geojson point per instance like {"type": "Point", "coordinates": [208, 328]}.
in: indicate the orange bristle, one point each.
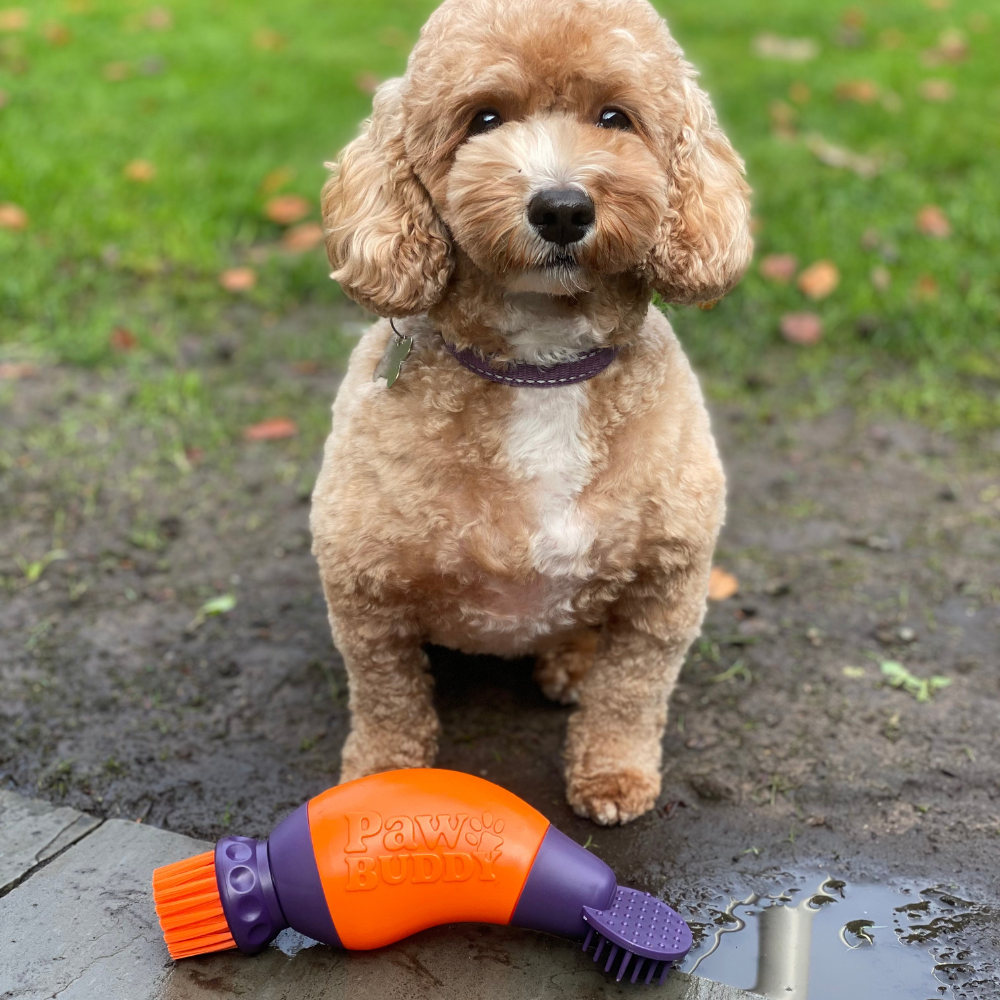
{"type": "Point", "coordinates": [190, 910]}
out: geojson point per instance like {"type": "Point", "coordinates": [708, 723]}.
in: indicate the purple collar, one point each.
{"type": "Point", "coordinates": [520, 373]}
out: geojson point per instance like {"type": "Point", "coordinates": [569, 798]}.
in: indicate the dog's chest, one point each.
{"type": "Point", "coordinates": [546, 450]}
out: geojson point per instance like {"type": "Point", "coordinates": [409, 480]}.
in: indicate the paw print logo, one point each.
{"type": "Point", "coordinates": [485, 834]}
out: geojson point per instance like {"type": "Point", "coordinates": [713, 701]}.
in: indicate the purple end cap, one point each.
{"type": "Point", "coordinates": [296, 878]}
{"type": "Point", "coordinates": [247, 892]}
{"type": "Point", "coordinates": [563, 879]}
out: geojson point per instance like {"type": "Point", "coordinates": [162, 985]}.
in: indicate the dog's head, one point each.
{"type": "Point", "coordinates": [556, 142]}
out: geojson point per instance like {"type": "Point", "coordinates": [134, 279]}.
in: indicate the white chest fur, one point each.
{"type": "Point", "coordinates": [546, 447]}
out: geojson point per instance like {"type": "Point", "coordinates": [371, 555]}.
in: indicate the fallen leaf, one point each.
{"type": "Point", "coordinates": [14, 370]}
{"type": "Point", "coordinates": [891, 38]}
{"type": "Point", "coordinates": [881, 278]}
{"type": "Point", "coordinates": [56, 34]}
{"type": "Point", "coordinates": [158, 19]}
{"type": "Point", "coordinates": [937, 90]}
{"type": "Point", "coordinates": [816, 821]}
{"type": "Point", "coordinates": [115, 72]}
{"type": "Point", "coordinates": [287, 208]}
{"type": "Point", "coordinates": [799, 92]}
{"type": "Point", "coordinates": [721, 584]}
{"type": "Point", "coordinates": [802, 328]}
{"type": "Point", "coordinates": [932, 221]}
{"type": "Point", "coordinates": [820, 279]}
{"type": "Point", "coordinates": [140, 171]}
{"type": "Point", "coordinates": [771, 46]}
{"type": "Point", "coordinates": [837, 156]}
{"type": "Point", "coordinates": [862, 91]}
{"type": "Point", "coordinates": [271, 430]}
{"type": "Point", "coordinates": [122, 339]}
{"type": "Point", "coordinates": [854, 17]}
{"type": "Point", "coordinates": [926, 289]}
{"type": "Point", "coordinates": [780, 267]}
{"type": "Point", "coordinates": [13, 217]}
{"type": "Point", "coordinates": [276, 179]}
{"type": "Point", "coordinates": [367, 82]}
{"type": "Point", "coordinates": [855, 673]}
{"type": "Point", "coordinates": [238, 279]}
{"type": "Point", "coordinates": [303, 237]}
{"type": "Point", "coordinates": [13, 19]}
{"type": "Point", "coordinates": [4, 98]}
{"type": "Point", "coordinates": [782, 119]}
{"type": "Point", "coordinates": [305, 367]}
{"type": "Point", "coordinates": [268, 40]}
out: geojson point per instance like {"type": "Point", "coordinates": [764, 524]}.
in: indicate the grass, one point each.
{"type": "Point", "coordinates": [232, 103]}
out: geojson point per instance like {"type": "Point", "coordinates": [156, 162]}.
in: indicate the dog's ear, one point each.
{"type": "Point", "coordinates": [389, 249]}
{"type": "Point", "coordinates": [704, 244]}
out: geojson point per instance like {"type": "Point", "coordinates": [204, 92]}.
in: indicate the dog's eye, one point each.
{"type": "Point", "coordinates": [613, 118]}
{"type": "Point", "coordinates": [485, 121]}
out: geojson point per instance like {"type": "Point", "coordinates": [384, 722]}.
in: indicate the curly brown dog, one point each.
{"type": "Point", "coordinates": [542, 477]}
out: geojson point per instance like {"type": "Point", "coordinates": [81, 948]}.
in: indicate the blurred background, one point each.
{"type": "Point", "coordinates": [170, 344]}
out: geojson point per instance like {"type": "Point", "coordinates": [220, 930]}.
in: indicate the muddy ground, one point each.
{"type": "Point", "coordinates": [853, 543]}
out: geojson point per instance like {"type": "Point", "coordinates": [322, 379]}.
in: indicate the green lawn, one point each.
{"type": "Point", "coordinates": [233, 102]}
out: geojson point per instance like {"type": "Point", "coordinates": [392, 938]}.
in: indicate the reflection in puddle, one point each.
{"type": "Point", "coordinates": [818, 938]}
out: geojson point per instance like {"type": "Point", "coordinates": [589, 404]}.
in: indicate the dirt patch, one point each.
{"type": "Point", "coordinates": [853, 543]}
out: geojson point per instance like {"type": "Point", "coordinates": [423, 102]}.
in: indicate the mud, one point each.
{"type": "Point", "coordinates": [854, 543]}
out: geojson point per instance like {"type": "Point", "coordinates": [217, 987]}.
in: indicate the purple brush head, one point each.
{"type": "Point", "coordinates": [641, 927]}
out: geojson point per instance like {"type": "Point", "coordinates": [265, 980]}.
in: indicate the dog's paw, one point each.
{"type": "Point", "coordinates": [613, 797]}
{"type": "Point", "coordinates": [559, 674]}
{"type": "Point", "coordinates": [364, 755]}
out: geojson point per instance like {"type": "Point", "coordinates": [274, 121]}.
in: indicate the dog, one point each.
{"type": "Point", "coordinates": [538, 476]}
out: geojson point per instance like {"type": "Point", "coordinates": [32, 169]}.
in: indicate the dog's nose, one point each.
{"type": "Point", "coordinates": [561, 215]}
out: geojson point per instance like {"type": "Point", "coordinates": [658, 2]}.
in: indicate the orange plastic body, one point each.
{"type": "Point", "coordinates": [406, 850]}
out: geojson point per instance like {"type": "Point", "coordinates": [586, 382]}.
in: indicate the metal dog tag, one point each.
{"type": "Point", "coordinates": [392, 358]}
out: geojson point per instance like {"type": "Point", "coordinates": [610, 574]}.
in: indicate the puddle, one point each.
{"type": "Point", "coordinates": [816, 937]}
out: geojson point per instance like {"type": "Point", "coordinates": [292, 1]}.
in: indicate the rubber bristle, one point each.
{"type": "Point", "coordinates": [188, 905]}
{"type": "Point", "coordinates": [655, 971]}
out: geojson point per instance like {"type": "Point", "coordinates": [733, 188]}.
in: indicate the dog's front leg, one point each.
{"type": "Point", "coordinates": [613, 745]}
{"type": "Point", "coordinates": [393, 722]}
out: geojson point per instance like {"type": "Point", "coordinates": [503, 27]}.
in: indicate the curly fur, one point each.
{"type": "Point", "coordinates": [576, 523]}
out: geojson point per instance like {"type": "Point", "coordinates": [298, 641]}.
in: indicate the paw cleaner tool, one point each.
{"type": "Point", "coordinates": [370, 862]}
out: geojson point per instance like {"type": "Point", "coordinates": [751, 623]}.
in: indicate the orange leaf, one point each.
{"type": "Point", "coordinates": [926, 289]}
{"type": "Point", "coordinates": [158, 19]}
{"type": "Point", "coordinates": [779, 267]}
{"type": "Point", "coordinates": [721, 585]}
{"type": "Point", "coordinates": [932, 221]}
{"type": "Point", "coordinates": [303, 237]}
{"type": "Point", "coordinates": [802, 328]}
{"type": "Point", "coordinates": [268, 40]}
{"type": "Point", "coordinates": [367, 82]}
{"type": "Point", "coordinates": [56, 34]}
{"type": "Point", "coordinates": [937, 90]}
{"type": "Point", "coordinates": [238, 279]}
{"type": "Point", "coordinates": [862, 91]}
{"type": "Point", "coordinates": [271, 430]}
{"type": "Point", "coordinates": [122, 339]}
{"type": "Point", "coordinates": [286, 209]}
{"type": "Point", "coordinates": [13, 217]}
{"type": "Point", "coordinates": [276, 179]}
{"type": "Point", "coordinates": [115, 72]}
{"type": "Point", "coordinates": [13, 19]}
{"type": "Point", "coordinates": [140, 171]}
{"type": "Point", "coordinates": [819, 279]}
{"type": "Point", "coordinates": [14, 370]}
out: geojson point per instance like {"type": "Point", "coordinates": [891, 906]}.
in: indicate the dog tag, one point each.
{"type": "Point", "coordinates": [392, 358]}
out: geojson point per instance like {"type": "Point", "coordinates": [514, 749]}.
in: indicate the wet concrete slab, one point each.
{"type": "Point", "coordinates": [83, 927]}
{"type": "Point", "coordinates": [32, 831]}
